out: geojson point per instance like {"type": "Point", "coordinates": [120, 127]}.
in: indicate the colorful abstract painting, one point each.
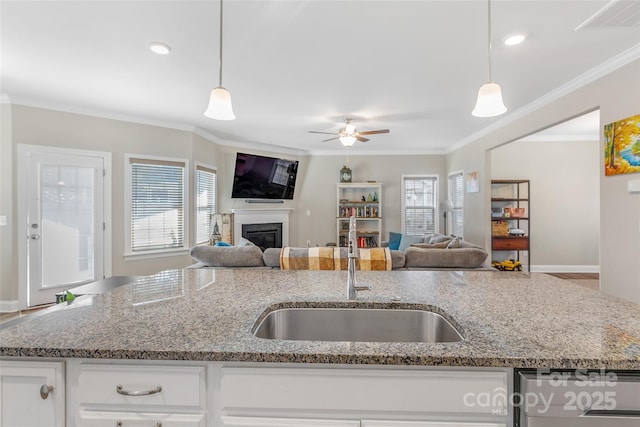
{"type": "Point", "coordinates": [622, 146]}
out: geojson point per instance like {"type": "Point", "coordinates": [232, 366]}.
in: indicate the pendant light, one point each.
{"type": "Point", "coordinates": [220, 99]}
{"type": "Point", "coordinates": [489, 102]}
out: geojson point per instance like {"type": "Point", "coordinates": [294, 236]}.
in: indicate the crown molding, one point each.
{"type": "Point", "coordinates": [607, 67]}
{"type": "Point", "coordinates": [94, 112]}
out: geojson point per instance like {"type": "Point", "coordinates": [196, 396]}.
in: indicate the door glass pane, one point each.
{"type": "Point", "coordinates": [67, 232]}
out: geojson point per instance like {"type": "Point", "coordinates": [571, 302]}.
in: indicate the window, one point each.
{"type": "Point", "coordinates": [156, 197]}
{"type": "Point", "coordinates": [456, 196]}
{"type": "Point", "coordinates": [419, 198]}
{"type": "Point", "coordinates": [205, 202]}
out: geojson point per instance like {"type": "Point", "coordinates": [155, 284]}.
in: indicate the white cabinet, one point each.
{"type": "Point", "coordinates": [286, 422]}
{"type": "Point", "coordinates": [140, 419]}
{"type": "Point", "coordinates": [391, 423]}
{"type": "Point", "coordinates": [136, 394]}
{"type": "Point", "coordinates": [32, 394]}
{"type": "Point", "coordinates": [465, 397]}
{"type": "Point", "coordinates": [364, 201]}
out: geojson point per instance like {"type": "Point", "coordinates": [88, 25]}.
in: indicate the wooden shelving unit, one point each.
{"type": "Point", "coordinates": [505, 243]}
{"type": "Point", "coordinates": [368, 212]}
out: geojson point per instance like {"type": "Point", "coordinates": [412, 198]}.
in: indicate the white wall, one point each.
{"type": "Point", "coordinates": [318, 193]}
{"type": "Point", "coordinates": [565, 200]}
{"type": "Point", "coordinates": [315, 191]}
{"type": "Point", "coordinates": [617, 95]}
{"type": "Point", "coordinates": [314, 204]}
{"type": "Point", "coordinates": [54, 128]}
{"type": "Point", "coordinates": [8, 270]}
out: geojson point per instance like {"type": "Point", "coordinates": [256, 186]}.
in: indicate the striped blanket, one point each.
{"type": "Point", "coordinates": [331, 258]}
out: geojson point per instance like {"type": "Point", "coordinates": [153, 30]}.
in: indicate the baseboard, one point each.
{"type": "Point", "coordinates": [565, 268]}
{"type": "Point", "coordinates": [9, 306]}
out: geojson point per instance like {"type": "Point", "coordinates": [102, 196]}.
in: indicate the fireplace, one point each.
{"type": "Point", "coordinates": [268, 235]}
{"type": "Point", "coordinates": [260, 216]}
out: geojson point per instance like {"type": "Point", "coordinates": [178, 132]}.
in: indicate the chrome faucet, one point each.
{"type": "Point", "coordinates": [352, 284]}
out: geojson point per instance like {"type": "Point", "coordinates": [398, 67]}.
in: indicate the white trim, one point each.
{"type": "Point", "coordinates": [464, 196]}
{"type": "Point", "coordinates": [261, 216]}
{"type": "Point", "coordinates": [436, 198]}
{"type": "Point", "coordinates": [194, 237]}
{"type": "Point", "coordinates": [584, 79]}
{"type": "Point", "coordinates": [565, 269]}
{"type": "Point", "coordinates": [22, 156]}
{"type": "Point", "coordinates": [9, 306]}
{"type": "Point", "coordinates": [186, 180]}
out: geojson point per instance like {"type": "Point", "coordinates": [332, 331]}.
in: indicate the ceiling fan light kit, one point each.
{"type": "Point", "coordinates": [349, 134]}
{"type": "Point", "coordinates": [220, 107]}
{"type": "Point", "coordinates": [489, 102]}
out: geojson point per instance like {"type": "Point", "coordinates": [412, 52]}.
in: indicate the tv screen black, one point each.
{"type": "Point", "coordinates": [261, 177]}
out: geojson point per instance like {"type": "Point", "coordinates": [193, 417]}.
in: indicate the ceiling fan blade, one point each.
{"type": "Point", "coordinates": [373, 132]}
{"type": "Point", "coordinates": [361, 139]}
{"type": "Point", "coordinates": [330, 139]}
{"type": "Point", "coordinates": [326, 133]}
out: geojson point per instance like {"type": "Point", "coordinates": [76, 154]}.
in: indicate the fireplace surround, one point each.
{"type": "Point", "coordinates": [261, 216]}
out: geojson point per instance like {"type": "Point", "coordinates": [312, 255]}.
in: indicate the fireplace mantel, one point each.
{"type": "Point", "coordinates": [261, 216]}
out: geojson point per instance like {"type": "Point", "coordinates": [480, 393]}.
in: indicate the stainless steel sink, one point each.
{"type": "Point", "coordinates": [356, 325]}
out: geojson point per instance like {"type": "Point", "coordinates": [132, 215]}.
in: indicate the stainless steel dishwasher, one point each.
{"type": "Point", "coordinates": [578, 398]}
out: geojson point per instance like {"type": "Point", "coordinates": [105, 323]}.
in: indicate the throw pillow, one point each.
{"type": "Point", "coordinates": [407, 240]}
{"type": "Point", "coordinates": [438, 238]}
{"type": "Point", "coordinates": [233, 256]}
{"type": "Point", "coordinates": [222, 244]}
{"type": "Point", "coordinates": [394, 240]}
{"type": "Point", "coordinates": [245, 242]}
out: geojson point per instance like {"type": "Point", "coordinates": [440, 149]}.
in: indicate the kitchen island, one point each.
{"type": "Point", "coordinates": [195, 316]}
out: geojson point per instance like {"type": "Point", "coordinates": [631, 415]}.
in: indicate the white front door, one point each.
{"type": "Point", "coordinates": [65, 222]}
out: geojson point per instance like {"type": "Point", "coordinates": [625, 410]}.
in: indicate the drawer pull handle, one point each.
{"type": "Point", "coordinates": [615, 413]}
{"type": "Point", "coordinates": [124, 392]}
{"type": "Point", "coordinates": [45, 390]}
{"type": "Point", "coordinates": [119, 424]}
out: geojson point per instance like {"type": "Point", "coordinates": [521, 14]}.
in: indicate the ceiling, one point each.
{"type": "Point", "coordinates": [298, 65]}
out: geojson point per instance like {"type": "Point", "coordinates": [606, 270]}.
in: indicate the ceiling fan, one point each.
{"type": "Point", "coordinates": [348, 135]}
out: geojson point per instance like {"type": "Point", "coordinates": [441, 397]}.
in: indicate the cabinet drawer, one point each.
{"type": "Point", "coordinates": [510, 243]}
{"type": "Point", "coordinates": [126, 419]}
{"type": "Point", "coordinates": [141, 385]}
{"type": "Point", "coordinates": [286, 422]}
{"type": "Point", "coordinates": [348, 391]}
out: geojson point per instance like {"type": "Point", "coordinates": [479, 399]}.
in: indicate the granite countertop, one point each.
{"type": "Point", "coordinates": [508, 319]}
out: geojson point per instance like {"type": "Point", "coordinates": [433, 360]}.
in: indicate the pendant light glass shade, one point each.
{"type": "Point", "coordinates": [489, 102]}
{"type": "Point", "coordinates": [220, 105]}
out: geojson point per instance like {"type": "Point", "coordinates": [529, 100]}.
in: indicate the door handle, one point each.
{"type": "Point", "coordinates": [34, 236]}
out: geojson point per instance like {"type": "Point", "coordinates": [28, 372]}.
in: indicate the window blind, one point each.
{"type": "Point", "coordinates": [419, 195]}
{"type": "Point", "coordinates": [157, 204]}
{"type": "Point", "coordinates": [205, 202]}
{"type": "Point", "coordinates": [456, 196]}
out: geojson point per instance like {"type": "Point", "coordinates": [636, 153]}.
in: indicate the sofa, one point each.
{"type": "Point", "coordinates": [428, 252]}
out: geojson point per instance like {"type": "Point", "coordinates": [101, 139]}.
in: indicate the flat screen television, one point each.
{"type": "Point", "coordinates": [261, 177]}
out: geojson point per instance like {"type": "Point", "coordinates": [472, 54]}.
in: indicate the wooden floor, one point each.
{"type": "Point", "coordinates": [576, 276]}
{"type": "Point", "coordinates": [4, 317]}
{"type": "Point", "coordinates": [588, 280]}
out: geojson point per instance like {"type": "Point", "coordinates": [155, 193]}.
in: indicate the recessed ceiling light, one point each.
{"type": "Point", "coordinates": [159, 48]}
{"type": "Point", "coordinates": [514, 39]}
